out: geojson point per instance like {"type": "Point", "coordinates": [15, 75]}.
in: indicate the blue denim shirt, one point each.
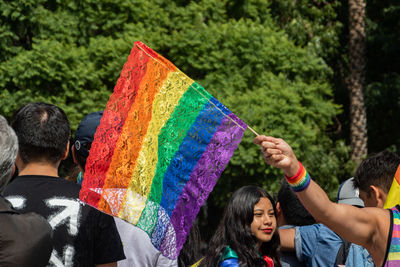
{"type": "Point", "coordinates": [317, 245]}
{"type": "Point", "coordinates": [357, 256]}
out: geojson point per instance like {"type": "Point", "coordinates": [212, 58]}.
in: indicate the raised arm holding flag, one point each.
{"type": "Point", "coordinates": [374, 228]}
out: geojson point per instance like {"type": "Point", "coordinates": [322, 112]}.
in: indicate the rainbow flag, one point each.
{"type": "Point", "coordinates": [393, 197]}
{"type": "Point", "coordinates": [161, 145]}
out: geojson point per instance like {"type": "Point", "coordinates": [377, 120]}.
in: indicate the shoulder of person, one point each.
{"type": "Point", "coordinates": [380, 221]}
{"type": "Point", "coordinates": [101, 219]}
{"type": "Point", "coordinates": [231, 262]}
{"type": "Point", "coordinates": [316, 228]}
{"type": "Point", "coordinates": [229, 253]}
{"type": "Point", "coordinates": [377, 215]}
{"type": "Point", "coordinates": [229, 258]}
{"type": "Point", "coordinates": [16, 228]}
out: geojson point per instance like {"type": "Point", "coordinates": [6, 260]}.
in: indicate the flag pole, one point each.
{"type": "Point", "coordinates": [252, 130]}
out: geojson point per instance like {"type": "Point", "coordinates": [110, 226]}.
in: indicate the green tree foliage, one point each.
{"type": "Point", "coordinates": [70, 53]}
{"type": "Point", "coordinates": [315, 25]}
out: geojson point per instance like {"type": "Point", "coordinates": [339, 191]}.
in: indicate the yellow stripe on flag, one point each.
{"type": "Point", "coordinates": [393, 197]}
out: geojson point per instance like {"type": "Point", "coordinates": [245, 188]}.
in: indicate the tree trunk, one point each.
{"type": "Point", "coordinates": [358, 116]}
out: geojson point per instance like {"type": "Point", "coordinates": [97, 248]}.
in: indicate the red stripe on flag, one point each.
{"type": "Point", "coordinates": [115, 114]}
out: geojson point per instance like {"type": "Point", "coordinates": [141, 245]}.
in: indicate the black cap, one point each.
{"type": "Point", "coordinates": [85, 132]}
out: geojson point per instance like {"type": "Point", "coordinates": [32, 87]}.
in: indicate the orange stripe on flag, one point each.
{"type": "Point", "coordinates": [397, 175]}
{"type": "Point", "coordinates": [134, 131]}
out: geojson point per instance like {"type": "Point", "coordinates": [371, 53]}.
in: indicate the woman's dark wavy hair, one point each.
{"type": "Point", "coordinates": [234, 231]}
{"type": "Point", "coordinates": [191, 250]}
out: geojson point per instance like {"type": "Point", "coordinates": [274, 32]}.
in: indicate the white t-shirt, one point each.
{"type": "Point", "coordinates": [139, 251]}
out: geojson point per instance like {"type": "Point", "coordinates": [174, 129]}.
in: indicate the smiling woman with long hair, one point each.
{"type": "Point", "coordinates": [247, 234]}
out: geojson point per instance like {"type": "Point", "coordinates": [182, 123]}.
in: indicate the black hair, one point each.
{"type": "Point", "coordinates": [292, 209]}
{"type": "Point", "coordinates": [191, 251]}
{"type": "Point", "coordinates": [81, 157]}
{"type": "Point", "coordinates": [378, 170]}
{"type": "Point", "coordinates": [234, 231]}
{"type": "Point", "coordinates": [43, 132]}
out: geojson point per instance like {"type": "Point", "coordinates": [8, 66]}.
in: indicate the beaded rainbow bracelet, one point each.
{"type": "Point", "coordinates": [300, 181]}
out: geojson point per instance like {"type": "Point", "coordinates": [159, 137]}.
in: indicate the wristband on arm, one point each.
{"type": "Point", "coordinates": [300, 181]}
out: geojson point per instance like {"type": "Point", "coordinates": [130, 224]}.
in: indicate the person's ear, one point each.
{"type": "Point", "coordinates": [13, 170]}
{"type": "Point", "coordinates": [73, 152]}
{"type": "Point", "coordinates": [18, 160]}
{"type": "Point", "coordinates": [280, 219]}
{"type": "Point", "coordinates": [19, 163]}
{"type": "Point", "coordinates": [66, 152]}
{"type": "Point", "coordinates": [278, 210]}
{"type": "Point", "coordinates": [378, 195]}
{"type": "Point", "coordinates": [75, 158]}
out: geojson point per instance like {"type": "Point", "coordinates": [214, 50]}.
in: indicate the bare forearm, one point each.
{"type": "Point", "coordinates": [287, 239]}
{"type": "Point", "coordinates": [315, 200]}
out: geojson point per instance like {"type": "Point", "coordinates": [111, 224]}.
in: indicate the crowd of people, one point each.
{"type": "Point", "coordinates": [43, 222]}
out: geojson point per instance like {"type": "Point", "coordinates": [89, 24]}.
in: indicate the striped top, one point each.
{"type": "Point", "coordinates": [393, 249]}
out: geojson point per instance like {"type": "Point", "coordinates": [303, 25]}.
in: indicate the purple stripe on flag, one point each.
{"type": "Point", "coordinates": [238, 121]}
{"type": "Point", "coordinates": [168, 247]}
{"type": "Point", "coordinates": [204, 176]}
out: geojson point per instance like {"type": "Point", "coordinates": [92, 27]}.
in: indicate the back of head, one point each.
{"type": "Point", "coordinates": [84, 136]}
{"type": "Point", "coordinates": [8, 152]}
{"type": "Point", "coordinates": [377, 170]}
{"type": "Point", "coordinates": [292, 209]}
{"type": "Point", "coordinates": [348, 194]}
{"type": "Point", "coordinates": [43, 132]}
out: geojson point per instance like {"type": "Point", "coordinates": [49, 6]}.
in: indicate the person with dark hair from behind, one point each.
{"type": "Point", "coordinates": [82, 142]}
{"type": "Point", "coordinates": [290, 210]}
{"type": "Point", "coordinates": [317, 245]}
{"type": "Point", "coordinates": [372, 227]}
{"type": "Point", "coordinates": [247, 233]}
{"type": "Point", "coordinates": [25, 238]}
{"type": "Point", "coordinates": [138, 248]}
{"type": "Point", "coordinates": [290, 213]}
{"type": "Point", "coordinates": [83, 236]}
{"type": "Point", "coordinates": [374, 177]}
